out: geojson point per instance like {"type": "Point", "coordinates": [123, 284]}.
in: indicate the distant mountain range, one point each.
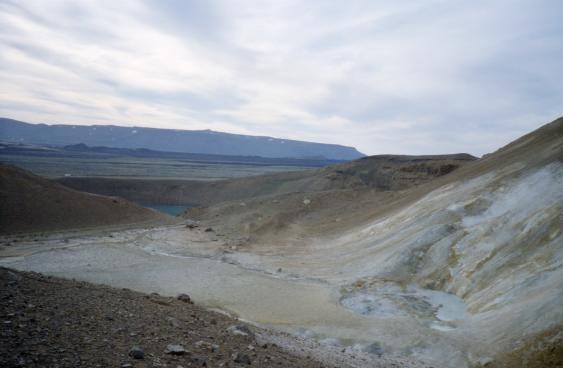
{"type": "Point", "coordinates": [81, 150]}
{"type": "Point", "coordinates": [171, 140]}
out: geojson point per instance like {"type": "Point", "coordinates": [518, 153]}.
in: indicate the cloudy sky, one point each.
{"type": "Point", "coordinates": [434, 76]}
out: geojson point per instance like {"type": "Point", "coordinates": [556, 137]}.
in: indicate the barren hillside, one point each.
{"type": "Point", "coordinates": [295, 206]}
{"type": "Point", "coordinates": [29, 203]}
{"type": "Point", "coordinates": [465, 253]}
{"type": "Point", "coordinates": [381, 173]}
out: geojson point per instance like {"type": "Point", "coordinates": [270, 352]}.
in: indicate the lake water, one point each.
{"type": "Point", "coordinates": [169, 209]}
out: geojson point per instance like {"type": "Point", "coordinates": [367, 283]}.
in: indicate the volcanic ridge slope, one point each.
{"type": "Point", "coordinates": [475, 255]}
{"type": "Point", "coordinates": [30, 203]}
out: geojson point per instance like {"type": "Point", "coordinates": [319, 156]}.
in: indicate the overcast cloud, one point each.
{"type": "Point", "coordinates": [383, 76]}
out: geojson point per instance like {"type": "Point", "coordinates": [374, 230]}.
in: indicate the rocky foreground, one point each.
{"type": "Point", "coordinates": [50, 322]}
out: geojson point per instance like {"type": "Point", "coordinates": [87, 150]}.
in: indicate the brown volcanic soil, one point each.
{"type": "Point", "coordinates": [50, 322]}
{"type": "Point", "coordinates": [544, 350]}
{"type": "Point", "coordinates": [30, 203]}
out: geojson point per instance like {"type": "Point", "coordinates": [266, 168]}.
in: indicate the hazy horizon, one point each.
{"type": "Point", "coordinates": [400, 78]}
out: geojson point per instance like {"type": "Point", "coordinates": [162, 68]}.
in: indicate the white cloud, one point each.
{"type": "Point", "coordinates": [399, 77]}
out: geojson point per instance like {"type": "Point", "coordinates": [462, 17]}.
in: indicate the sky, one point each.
{"type": "Point", "coordinates": [402, 77]}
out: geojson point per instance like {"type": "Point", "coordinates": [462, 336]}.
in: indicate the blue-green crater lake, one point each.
{"type": "Point", "coordinates": [169, 209]}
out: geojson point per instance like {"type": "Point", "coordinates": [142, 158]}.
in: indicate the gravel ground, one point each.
{"type": "Point", "coordinates": [50, 322]}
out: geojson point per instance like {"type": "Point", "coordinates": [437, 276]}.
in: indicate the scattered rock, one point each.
{"type": "Point", "coordinates": [207, 346]}
{"type": "Point", "coordinates": [40, 311]}
{"type": "Point", "coordinates": [174, 322]}
{"type": "Point", "coordinates": [185, 298]}
{"type": "Point", "coordinates": [374, 348]}
{"type": "Point", "coordinates": [13, 276]}
{"type": "Point", "coordinates": [137, 352]}
{"type": "Point", "coordinates": [306, 202]}
{"type": "Point", "coordinates": [241, 330]}
{"type": "Point", "coordinates": [209, 230]}
{"type": "Point", "coordinates": [242, 359]}
{"type": "Point", "coordinates": [174, 349]}
{"type": "Point", "coordinates": [191, 224]}
{"type": "Point", "coordinates": [160, 300]}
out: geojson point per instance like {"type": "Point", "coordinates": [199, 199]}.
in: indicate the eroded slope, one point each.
{"type": "Point", "coordinates": [30, 203]}
{"type": "Point", "coordinates": [475, 256]}
{"type": "Point", "coordinates": [293, 206]}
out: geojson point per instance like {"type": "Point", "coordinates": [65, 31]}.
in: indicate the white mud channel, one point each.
{"type": "Point", "coordinates": [438, 309]}
{"type": "Point", "coordinates": [161, 260]}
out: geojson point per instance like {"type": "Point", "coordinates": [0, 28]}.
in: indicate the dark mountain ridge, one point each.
{"type": "Point", "coordinates": [171, 140]}
{"type": "Point", "coordinates": [81, 150]}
